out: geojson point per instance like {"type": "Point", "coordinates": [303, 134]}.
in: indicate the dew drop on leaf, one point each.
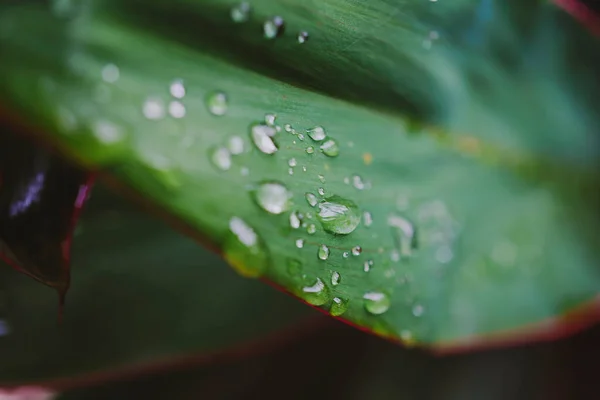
{"type": "Point", "coordinates": [311, 229]}
{"type": "Point", "coordinates": [321, 191]}
{"type": "Point", "coordinates": [240, 12]}
{"type": "Point", "coordinates": [235, 145]}
{"type": "Point", "coordinates": [356, 250]}
{"type": "Point", "coordinates": [244, 250]}
{"type": "Point", "coordinates": [221, 158]}
{"type": "Point", "coordinates": [176, 109]}
{"type": "Point", "coordinates": [367, 219]}
{"type": "Point", "coordinates": [110, 73]}
{"type": "Point", "coordinates": [404, 234]}
{"type": "Point", "coordinates": [177, 89]}
{"type": "Point", "coordinates": [270, 119]}
{"type": "Point", "coordinates": [299, 243]}
{"type": "Point", "coordinates": [216, 103]}
{"type": "Point", "coordinates": [317, 133]}
{"type": "Point", "coordinates": [323, 252]}
{"type": "Point", "coordinates": [273, 197]}
{"type": "Point", "coordinates": [357, 182]}
{"type": "Point", "coordinates": [418, 310]}
{"type": "Point", "coordinates": [311, 199]}
{"type": "Point", "coordinates": [338, 215]}
{"type": "Point", "coordinates": [330, 148]}
{"type": "Point", "coordinates": [338, 306]}
{"type": "Point", "coordinates": [336, 278]}
{"type": "Point", "coordinates": [345, 254]}
{"type": "Point", "coordinates": [302, 37]}
{"type": "Point", "coordinates": [153, 108]}
{"type": "Point", "coordinates": [292, 162]}
{"type": "Point", "coordinates": [310, 150]}
{"type": "Point", "coordinates": [288, 128]}
{"type": "Point", "coordinates": [376, 303]}
{"type": "Point", "coordinates": [316, 293]}
{"type": "Point", "coordinates": [273, 27]}
{"type": "Point", "coordinates": [261, 136]}
{"type": "Point", "coordinates": [367, 265]}
{"type": "Point", "coordinates": [295, 219]}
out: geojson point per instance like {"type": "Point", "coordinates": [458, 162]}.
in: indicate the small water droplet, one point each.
{"type": "Point", "coordinates": [321, 191]}
{"type": "Point", "coordinates": [176, 109]}
{"type": "Point", "coordinates": [244, 171]}
{"type": "Point", "coordinates": [347, 180]}
{"type": "Point", "coordinates": [330, 148]}
{"type": "Point", "coordinates": [302, 37]}
{"type": "Point", "coordinates": [216, 103]}
{"type": "Point", "coordinates": [367, 265]}
{"type": "Point", "coordinates": [299, 243]}
{"type": "Point", "coordinates": [317, 133]}
{"type": "Point", "coordinates": [300, 137]}
{"type": "Point", "coordinates": [336, 278]}
{"type": "Point", "coordinates": [290, 171]}
{"type": "Point", "coordinates": [316, 293]}
{"type": "Point", "coordinates": [288, 128]}
{"type": "Point", "coordinates": [244, 250]}
{"type": "Point", "coordinates": [235, 145]}
{"type": "Point", "coordinates": [110, 73]}
{"type": "Point", "coordinates": [177, 89]}
{"type": "Point", "coordinates": [367, 218]}
{"type": "Point", "coordinates": [321, 178]}
{"type": "Point", "coordinates": [153, 108]}
{"type": "Point", "coordinates": [311, 199]}
{"type": "Point", "coordinates": [418, 310]}
{"type": "Point", "coordinates": [241, 12]}
{"type": "Point", "coordinates": [294, 220]}
{"type": "Point", "coordinates": [310, 149]}
{"type": "Point", "coordinates": [444, 254]}
{"type": "Point", "coordinates": [273, 197]}
{"type": "Point", "coordinates": [273, 27]}
{"type": "Point", "coordinates": [303, 168]}
{"type": "Point", "coordinates": [292, 162]}
{"type": "Point", "coordinates": [356, 250]}
{"type": "Point", "coordinates": [357, 182]}
{"type": "Point", "coordinates": [338, 215]}
{"type": "Point", "coordinates": [221, 158]}
{"type": "Point", "coordinates": [107, 132]}
{"type": "Point", "coordinates": [376, 303]}
{"type": "Point", "coordinates": [270, 119]}
{"type": "Point", "coordinates": [345, 254]}
{"type": "Point", "coordinates": [338, 306]}
{"type": "Point", "coordinates": [323, 252]}
{"type": "Point", "coordinates": [262, 138]}
{"type": "Point", "coordinates": [311, 229]}
{"type": "Point", "coordinates": [404, 233]}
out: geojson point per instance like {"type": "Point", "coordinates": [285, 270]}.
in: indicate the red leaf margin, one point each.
{"type": "Point", "coordinates": [582, 13]}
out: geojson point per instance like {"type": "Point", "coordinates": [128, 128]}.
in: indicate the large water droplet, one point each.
{"type": "Point", "coordinates": [273, 197]}
{"type": "Point", "coordinates": [404, 234]}
{"type": "Point", "coordinates": [241, 12]}
{"type": "Point", "coordinates": [302, 37]}
{"type": "Point", "coordinates": [323, 252]}
{"type": "Point", "coordinates": [317, 133]}
{"type": "Point", "coordinates": [244, 250]}
{"type": "Point", "coordinates": [336, 278]}
{"type": "Point", "coordinates": [261, 136]}
{"type": "Point", "coordinates": [221, 158]}
{"type": "Point", "coordinates": [311, 199]}
{"type": "Point", "coordinates": [273, 27]}
{"type": "Point", "coordinates": [316, 293]}
{"type": "Point", "coordinates": [376, 302]}
{"type": "Point", "coordinates": [330, 148]}
{"type": "Point", "coordinates": [338, 215]}
{"type": "Point", "coordinates": [216, 103]}
{"type": "Point", "coordinates": [338, 306]}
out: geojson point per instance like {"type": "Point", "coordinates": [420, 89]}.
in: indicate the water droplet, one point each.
{"type": "Point", "coordinates": [244, 171]}
{"type": "Point", "coordinates": [336, 278]}
{"type": "Point", "coordinates": [357, 182]}
{"type": "Point", "coordinates": [273, 197]}
{"type": "Point", "coordinates": [321, 191]}
{"type": "Point", "coordinates": [317, 133]}
{"type": "Point", "coordinates": [311, 229]}
{"type": "Point", "coordinates": [241, 12]}
{"type": "Point", "coordinates": [290, 171]}
{"type": "Point", "coordinates": [376, 303]}
{"type": "Point", "coordinates": [299, 243]}
{"type": "Point", "coordinates": [288, 128]}
{"type": "Point", "coordinates": [300, 137]}
{"type": "Point", "coordinates": [444, 254]}
{"type": "Point", "coordinates": [347, 180]}
{"type": "Point", "coordinates": [418, 310]}
{"type": "Point", "coordinates": [110, 73]}
{"type": "Point", "coordinates": [176, 109]}
{"type": "Point", "coordinates": [338, 215]}
{"type": "Point", "coordinates": [356, 250]}
{"type": "Point", "coordinates": [235, 145]}
{"type": "Point", "coordinates": [244, 250]}
{"type": "Point", "coordinates": [221, 158]}
{"type": "Point", "coordinates": [292, 162]}
{"type": "Point", "coordinates": [310, 149]}
{"type": "Point", "coordinates": [316, 294]}
{"type": "Point", "coordinates": [273, 27]}
{"type": "Point", "coordinates": [302, 37]}
{"type": "Point", "coordinates": [367, 265]}
{"type": "Point", "coordinates": [177, 89]}
{"type": "Point", "coordinates": [405, 235]}
{"type": "Point", "coordinates": [338, 306]}
{"type": "Point", "coordinates": [367, 218]}
{"type": "Point", "coordinates": [321, 178]}
{"type": "Point", "coordinates": [270, 119]}
{"type": "Point", "coordinates": [323, 252]}
{"type": "Point", "coordinates": [311, 199]}
{"type": "Point", "coordinates": [303, 168]}
{"type": "Point", "coordinates": [107, 132]}
{"type": "Point", "coordinates": [216, 103]}
{"type": "Point", "coordinates": [294, 220]}
{"type": "Point", "coordinates": [330, 148]}
{"type": "Point", "coordinates": [153, 108]}
{"type": "Point", "coordinates": [262, 137]}
{"type": "Point", "coordinates": [345, 254]}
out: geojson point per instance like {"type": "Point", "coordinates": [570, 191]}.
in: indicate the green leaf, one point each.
{"type": "Point", "coordinates": [463, 135]}
{"type": "Point", "coordinates": [141, 295]}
